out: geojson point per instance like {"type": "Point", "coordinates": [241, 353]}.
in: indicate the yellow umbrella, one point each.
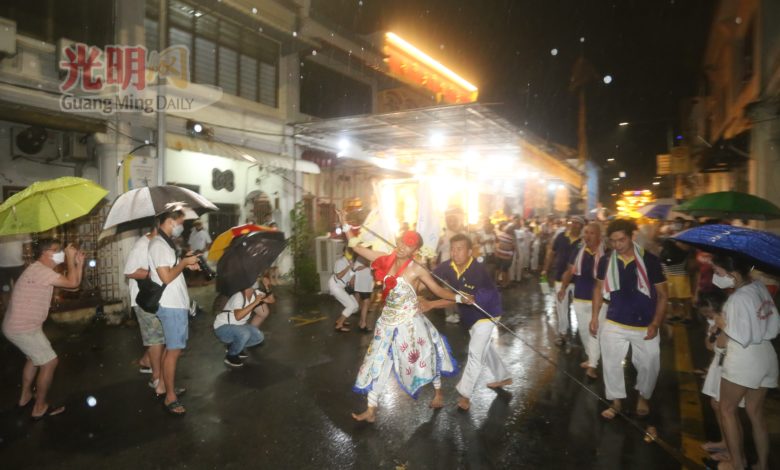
{"type": "Point", "coordinates": [47, 204]}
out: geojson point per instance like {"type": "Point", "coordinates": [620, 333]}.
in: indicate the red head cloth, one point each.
{"type": "Point", "coordinates": [411, 239]}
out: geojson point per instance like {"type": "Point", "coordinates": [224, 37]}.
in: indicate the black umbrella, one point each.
{"type": "Point", "coordinates": [147, 202]}
{"type": "Point", "coordinates": [245, 258]}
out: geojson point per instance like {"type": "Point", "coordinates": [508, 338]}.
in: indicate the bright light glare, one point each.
{"type": "Point", "coordinates": [248, 158]}
{"type": "Point", "coordinates": [197, 128]}
{"type": "Point", "coordinates": [623, 124]}
{"type": "Point", "coordinates": [607, 79]}
{"type": "Point", "coordinates": [656, 183]}
{"type": "Point", "coordinates": [622, 174]}
{"type": "Point", "coordinates": [343, 144]}
{"type": "Point", "coordinates": [428, 60]}
{"type": "Point", "coordinates": [437, 138]}
{"type": "Point", "coordinates": [554, 52]}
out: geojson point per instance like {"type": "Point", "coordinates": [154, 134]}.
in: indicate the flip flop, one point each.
{"type": "Point", "coordinates": [713, 447]}
{"type": "Point", "coordinates": [145, 369]}
{"type": "Point", "coordinates": [178, 391]}
{"type": "Point", "coordinates": [365, 329]}
{"type": "Point", "coordinates": [343, 329]}
{"type": "Point", "coordinates": [609, 414]}
{"type": "Point", "coordinates": [170, 407]}
{"type": "Point", "coordinates": [29, 402]}
{"type": "Point", "coordinates": [50, 411]}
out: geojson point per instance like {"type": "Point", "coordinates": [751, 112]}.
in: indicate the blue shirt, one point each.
{"type": "Point", "coordinates": [585, 282]}
{"type": "Point", "coordinates": [562, 249]}
{"type": "Point", "coordinates": [628, 306]}
{"type": "Point", "coordinates": [476, 281]}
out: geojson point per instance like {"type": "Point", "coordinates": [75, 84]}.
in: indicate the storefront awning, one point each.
{"type": "Point", "coordinates": [235, 152]}
{"type": "Point", "coordinates": [461, 136]}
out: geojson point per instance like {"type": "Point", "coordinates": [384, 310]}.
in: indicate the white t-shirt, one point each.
{"type": "Point", "coordinates": [227, 316]}
{"type": "Point", "coordinates": [364, 280]}
{"type": "Point", "coordinates": [138, 258]}
{"type": "Point", "coordinates": [175, 294]}
{"type": "Point", "coordinates": [340, 265]}
{"type": "Point", "coordinates": [12, 250]}
{"type": "Point", "coordinates": [199, 239]}
{"type": "Point", "coordinates": [751, 315]}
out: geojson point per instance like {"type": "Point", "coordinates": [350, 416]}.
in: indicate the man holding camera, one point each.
{"type": "Point", "coordinates": [166, 269]}
{"type": "Point", "coordinates": [232, 325]}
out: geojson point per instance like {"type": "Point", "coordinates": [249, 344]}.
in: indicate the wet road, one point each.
{"type": "Point", "coordinates": [289, 407]}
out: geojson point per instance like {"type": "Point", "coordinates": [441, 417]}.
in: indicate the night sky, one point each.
{"type": "Point", "coordinates": [652, 49]}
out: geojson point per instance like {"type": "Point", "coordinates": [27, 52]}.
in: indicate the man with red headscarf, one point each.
{"type": "Point", "coordinates": [405, 341]}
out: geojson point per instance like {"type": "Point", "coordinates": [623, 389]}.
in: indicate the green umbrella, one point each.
{"type": "Point", "coordinates": [47, 204]}
{"type": "Point", "coordinates": [730, 205]}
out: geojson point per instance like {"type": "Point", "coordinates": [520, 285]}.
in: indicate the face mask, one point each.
{"type": "Point", "coordinates": [177, 231]}
{"type": "Point", "coordinates": [58, 257]}
{"type": "Point", "coordinates": [722, 282]}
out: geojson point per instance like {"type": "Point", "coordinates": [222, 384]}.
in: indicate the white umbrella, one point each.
{"type": "Point", "coordinates": [143, 203]}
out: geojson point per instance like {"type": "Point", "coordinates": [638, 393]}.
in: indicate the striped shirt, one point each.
{"type": "Point", "coordinates": [31, 299]}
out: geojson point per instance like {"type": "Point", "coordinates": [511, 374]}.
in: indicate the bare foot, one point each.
{"type": "Point", "coordinates": [464, 403]}
{"type": "Point", "coordinates": [438, 399]}
{"type": "Point", "coordinates": [642, 407]}
{"type": "Point", "coordinates": [591, 372]}
{"type": "Point", "coordinates": [584, 364]}
{"type": "Point", "coordinates": [25, 399]}
{"type": "Point", "coordinates": [368, 416]}
{"type": "Point", "coordinates": [500, 383]}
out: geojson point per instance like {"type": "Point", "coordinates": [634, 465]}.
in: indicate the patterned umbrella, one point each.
{"type": "Point", "coordinates": [762, 248]}
{"type": "Point", "coordinates": [246, 258]}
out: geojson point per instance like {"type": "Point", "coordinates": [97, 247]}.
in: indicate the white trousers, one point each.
{"type": "Point", "coordinates": [381, 383]}
{"type": "Point", "coordinates": [348, 301]}
{"type": "Point", "coordinates": [482, 354]}
{"type": "Point", "coordinates": [535, 247]}
{"type": "Point", "coordinates": [583, 310]}
{"type": "Point", "coordinates": [645, 355]}
{"type": "Point", "coordinates": [562, 307]}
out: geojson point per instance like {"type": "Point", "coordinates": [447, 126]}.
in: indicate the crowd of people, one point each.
{"type": "Point", "coordinates": [620, 280]}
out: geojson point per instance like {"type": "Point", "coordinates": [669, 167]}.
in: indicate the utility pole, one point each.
{"type": "Point", "coordinates": [582, 74]}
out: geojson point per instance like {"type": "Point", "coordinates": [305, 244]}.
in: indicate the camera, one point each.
{"type": "Point", "coordinates": [204, 266]}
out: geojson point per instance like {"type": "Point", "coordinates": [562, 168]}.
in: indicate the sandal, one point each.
{"type": "Point", "coordinates": [342, 329]}
{"type": "Point", "coordinates": [609, 414]}
{"type": "Point", "coordinates": [172, 406]}
{"type": "Point", "coordinates": [178, 391]}
{"type": "Point", "coordinates": [50, 411]}
{"type": "Point", "coordinates": [365, 329]}
{"type": "Point", "coordinates": [713, 447]}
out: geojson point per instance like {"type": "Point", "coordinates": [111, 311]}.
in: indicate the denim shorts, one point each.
{"type": "Point", "coordinates": [175, 325]}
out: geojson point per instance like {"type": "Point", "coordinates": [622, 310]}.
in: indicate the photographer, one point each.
{"type": "Point", "coordinates": [232, 328]}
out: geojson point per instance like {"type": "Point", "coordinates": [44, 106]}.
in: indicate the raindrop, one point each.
{"type": "Point", "coordinates": [554, 52]}
{"type": "Point", "coordinates": [738, 20]}
{"type": "Point", "coordinates": [295, 34]}
{"type": "Point", "coordinates": [360, 3]}
{"type": "Point", "coordinates": [313, 52]}
{"type": "Point", "coordinates": [582, 38]}
{"type": "Point", "coordinates": [441, 46]}
{"type": "Point", "coordinates": [91, 401]}
{"type": "Point", "coordinates": [260, 29]}
{"type": "Point", "coordinates": [607, 79]}
{"type": "Point", "coordinates": [254, 11]}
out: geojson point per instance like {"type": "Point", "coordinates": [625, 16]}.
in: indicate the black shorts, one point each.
{"type": "Point", "coordinates": [364, 295]}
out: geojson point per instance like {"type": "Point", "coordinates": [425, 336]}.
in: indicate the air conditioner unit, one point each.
{"type": "Point", "coordinates": [74, 147]}
{"type": "Point", "coordinates": [7, 37]}
{"type": "Point", "coordinates": [35, 142]}
{"type": "Point", "coordinates": [327, 251]}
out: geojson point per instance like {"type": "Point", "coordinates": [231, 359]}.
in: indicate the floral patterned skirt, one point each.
{"type": "Point", "coordinates": [418, 353]}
